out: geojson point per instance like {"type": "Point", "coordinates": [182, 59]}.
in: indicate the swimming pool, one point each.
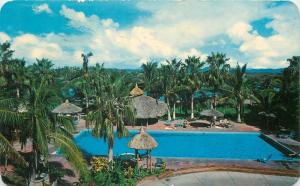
{"type": "Point", "coordinates": [210, 145]}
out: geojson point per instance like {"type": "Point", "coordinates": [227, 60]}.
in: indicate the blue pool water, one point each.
{"type": "Point", "coordinates": [211, 145]}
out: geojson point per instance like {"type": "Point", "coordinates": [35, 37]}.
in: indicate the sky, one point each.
{"type": "Point", "coordinates": [126, 34]}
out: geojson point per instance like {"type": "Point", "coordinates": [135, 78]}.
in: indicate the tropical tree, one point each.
{"type": "Point", "coordinates": [289, 93]}
{"type": "Point", "coordinates": [113, 106]}
{"type": "Point", "coordinates": [42, 70]}
{"type": "Point", "coordinates": [38, 125]}
{"type": "Point", "coordinates": [150, 76]}
{"type": "Point", "coordinates": [238, 89]}
{"type": "Point", "coordinates": [193, 72]}
{"type": "Point", "coordinates": [267, 102]}
{"type": "Point", "coordinates": [217, 73]}
{"type": "Point", "coordinates": [19, 77]}
{"type": "Point", "coordinates": [85, 79]}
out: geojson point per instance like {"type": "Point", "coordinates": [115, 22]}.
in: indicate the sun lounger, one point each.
{"type": "Point", "coordinates": [159, 163]}
{"type": "Point", "coordinates": [265, 160]}
{"type": "Point", "coordinates": [179, 124]}
{"type": "Point", "coordinates": [168, 123]}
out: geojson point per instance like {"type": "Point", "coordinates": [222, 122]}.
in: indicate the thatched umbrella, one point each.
{"type": "Point", "coordinates": [143, 141]}
{"type": "Point", "coordinates": [147, 107]}
{"type": "Point", "coordinates": [67, 108]}
{"type": "Point", "coordinates": [214, 114]}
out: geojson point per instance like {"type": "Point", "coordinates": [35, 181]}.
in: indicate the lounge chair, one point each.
{"type": "Point", "coordinates": [266, 159]}
{"type": "Point", "coordinates": [179, 124]}
{"type": "Point", "coordinates": [159, 163]}
{"type": "Point", "coordinates": [168, 123]}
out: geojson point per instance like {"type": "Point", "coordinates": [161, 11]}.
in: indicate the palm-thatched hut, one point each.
{"type": "Point", "coordinates": [67, 108]}
{"type": "Point", "coordinates": [213, 113]}
{"type": "Point", "coordinates": [143, 141]}
{"type": "Point", "coordinates": [136, 91]}
{"type": "Point", "coordinates": [147, 107]}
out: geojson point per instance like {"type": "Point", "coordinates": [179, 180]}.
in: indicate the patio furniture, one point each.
{"type": "Point", "coordinates": [179, 124]}
{"type": "Point", "coordinates": [143, 141]}
{"type": "Point", "coordinates": [266, 159]}
{"type": "Point", "coordinates": [168, 122]}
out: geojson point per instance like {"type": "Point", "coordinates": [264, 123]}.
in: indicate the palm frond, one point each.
{"type": "Point", "coordinates": [7, 149]}
{"type": "Point", "coordinates": [71, 152]}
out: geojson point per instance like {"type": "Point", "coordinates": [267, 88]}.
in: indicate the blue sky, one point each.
{"type": "Point", "coordinates": [125, 34]}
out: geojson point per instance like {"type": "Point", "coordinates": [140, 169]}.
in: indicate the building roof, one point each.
{"type": "Point", "coordinates": [136, 91]}
{"type": "Point", "coordinates": [148, 107]}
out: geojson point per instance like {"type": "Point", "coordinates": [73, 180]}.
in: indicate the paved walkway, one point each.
{"type": "Point", "coordinates": [224, 179]}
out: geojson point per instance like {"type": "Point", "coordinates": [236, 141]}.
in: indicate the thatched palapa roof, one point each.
{"type": "Point", "coordinates": [148, 107]}
{"type": "Point", "coordinates": [211, 113]}
{"type": "Point", "coordinates": [66, 108]}
{"type": "Point", "coordinates": [136, 91]}
{"type": "Point", "coordinates": [142, 141]}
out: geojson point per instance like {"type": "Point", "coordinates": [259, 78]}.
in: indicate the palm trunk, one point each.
{"type": "Point", "coordinates": [5, 164]}
{"type": "Point", "coordinates": [110, 154]}
{"type": "Point", "coordinates": [215, 100]}
{"type": "Point", "coordinates": [238, 114]}
{"type": "Point", "coordinates": [174, 111]}
{"type": "Point", "coordinates": [86, 101]}
{"type": "Point", "coordinates": [33, 175]}
{"type": "Point", "coordinates": [169, 113]}
{"type": "Point", "coordinates": [192, 107]}
{"type": "Point", "coordinates": [18, 93]}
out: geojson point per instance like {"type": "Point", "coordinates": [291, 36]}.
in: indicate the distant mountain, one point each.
{"type": "Point", "coordinates": [249, 70]}
{"type": "Point", "coordinates": [264, 71]}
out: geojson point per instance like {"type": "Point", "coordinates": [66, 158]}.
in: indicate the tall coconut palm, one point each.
{"type": "Point", "coordinates": [37, 125]}
{"type": "Point", "coordinates": [217, 73]}
{"type": "Point", "coordinates": [170, 83]}
{"type": "Point", "coordinates": [238, 88]}
{"type": "Point", "coordinates": [42, 70]}
{"type": "Point", "coordinates": [85, 80]}
{"type": "Point", "coordinates": [19, 76]}
{"type": "Point", "coordinates": [150, 75]}
{"type": "Point", "coordinates": [193, 77]}
{"type": "Point", "coordinates": [111, 110]}
{"type": "Point", "coordinates": [8, 124]}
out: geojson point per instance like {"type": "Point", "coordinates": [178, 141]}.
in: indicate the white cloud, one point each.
{"type": "Point", "coordinates": [2, 2]}
{"type": "Point", "coordinates": [42, 8]}
{"type": "Point", "coordinates": [4, 37]}
{"type": "Point", "coordinates": [176, 29]}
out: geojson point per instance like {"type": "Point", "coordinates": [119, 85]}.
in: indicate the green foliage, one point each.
{"type": "Point", "coordinates": [99, 164]}
{"type": "Point", "coordinates": [117, 173]}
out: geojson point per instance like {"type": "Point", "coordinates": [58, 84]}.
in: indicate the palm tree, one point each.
{"type": "Point", "coordinates": [289, 93]}
{"type": "Point", "coordinates": [8, 124]}
{"type": "Point", "coordinates": [19, 76]}
{"type": "Point", "coordinates": [217, 73]}
{"type": "Point", "coordinates": [193, 77]}
{"type": "Point", "coordinates": [238, 88]}
{"type": "Point", "coordinates": [267, 101]}
{"type": "Point", "coordinates": [8, 151]}
{"type": "Point", "coordinates": [42, 70]}
{"type": "Point", "coordinates": [111, 110]}
{"type": "Point", "coordinates": [150, 75]}
{"type": "Point", "coordinates": [170, 83]}
{"type": "Point", "coordinates": [37, 125]}
{"type": "Point", "coordinates": [85, 82]}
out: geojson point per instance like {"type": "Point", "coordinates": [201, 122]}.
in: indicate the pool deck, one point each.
{"type": "Point", "coordinates": [184, 166]}
{"type": "Point", "coordinates": [223, 178]}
